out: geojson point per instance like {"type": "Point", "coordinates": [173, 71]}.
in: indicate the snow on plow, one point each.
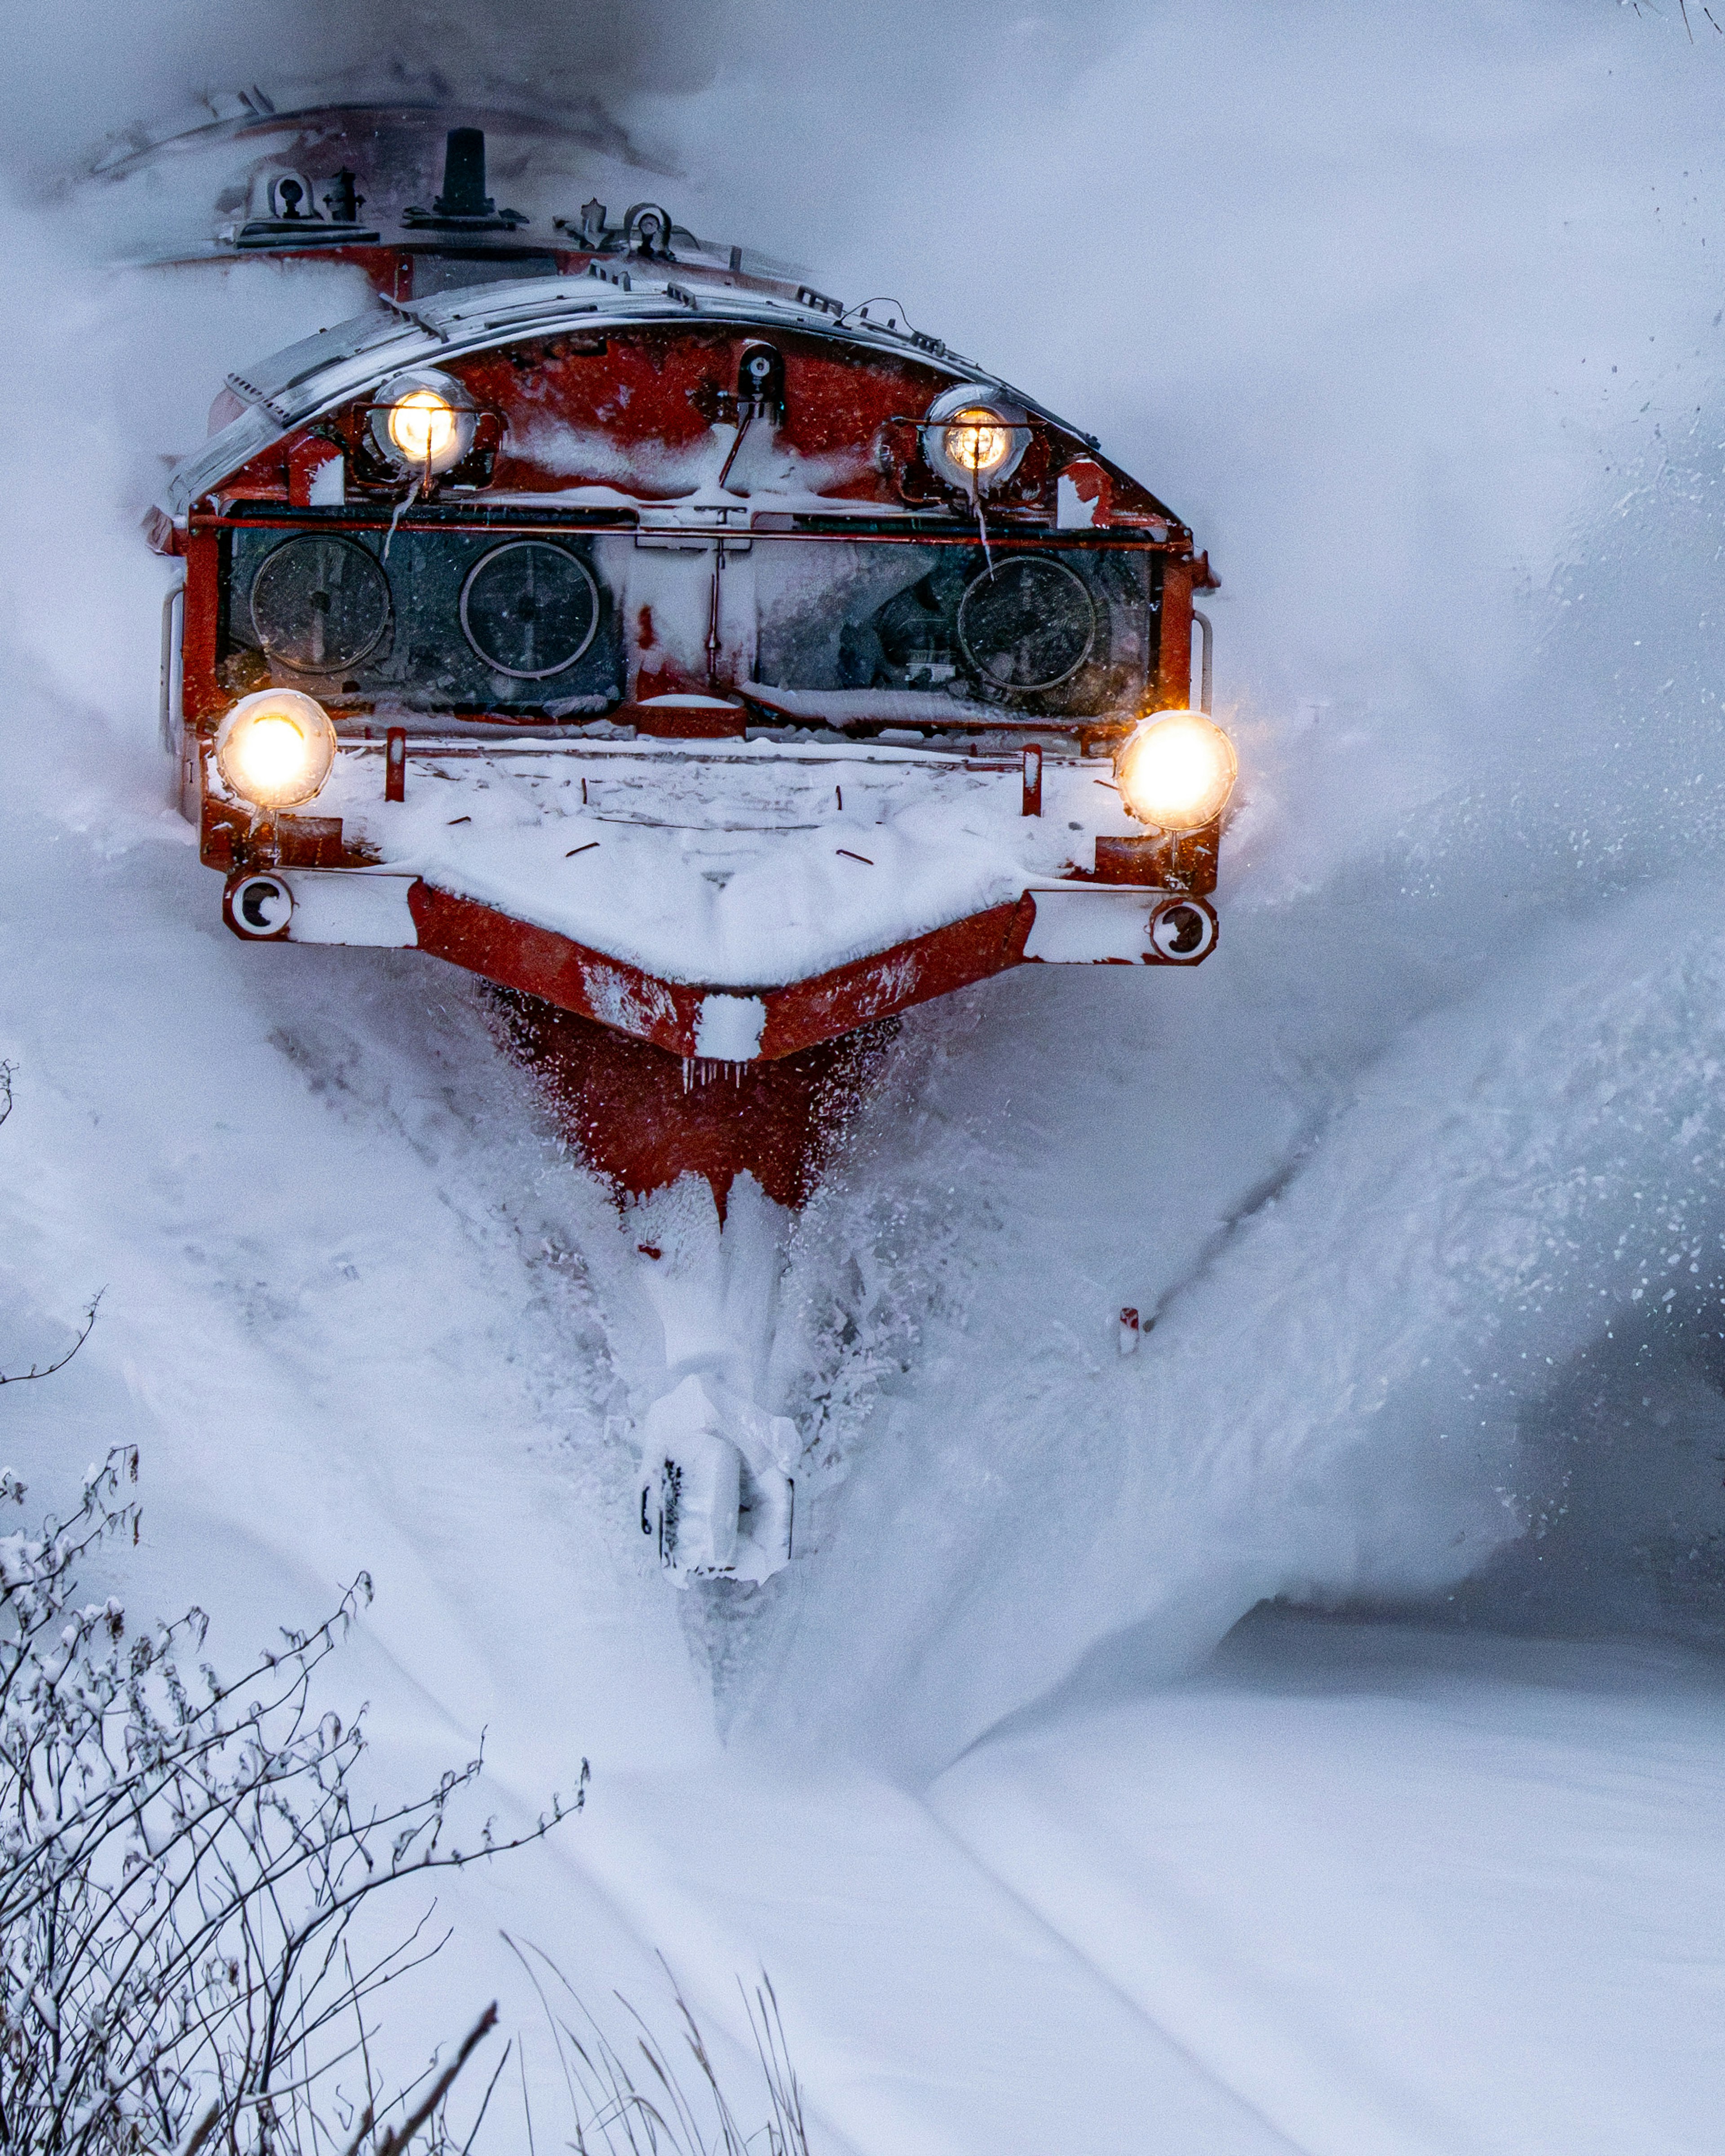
{"type": "Point", "coordinates": [718, 1497]}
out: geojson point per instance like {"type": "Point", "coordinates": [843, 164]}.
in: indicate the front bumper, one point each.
{"type": "Point", "coordinates": [731, 905]}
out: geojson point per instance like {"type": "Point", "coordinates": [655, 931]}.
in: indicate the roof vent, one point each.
{"type": "Point", "coordinates": [463, 205]}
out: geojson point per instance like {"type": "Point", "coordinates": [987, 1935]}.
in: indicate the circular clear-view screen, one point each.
{"type": "Point", "coordinates": [320, 605]}
{"type": "Point", "coordinates": [1027, 624]}
{"type": "Point", "coordinates": [530, 609]}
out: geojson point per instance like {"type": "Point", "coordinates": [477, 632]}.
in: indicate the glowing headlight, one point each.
{"type": "Point", "coordinates": [423, 426]}
{"type": "Point", "coordinates": [276, 748]}
{"type": "Point", "coordinates": [974, 437]}
{"type": "Point", "coordinates": [424, 422]}
{"type": "Point", "coordinates": [1176, 770]}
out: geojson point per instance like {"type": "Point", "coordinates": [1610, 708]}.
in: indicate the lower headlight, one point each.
{"type": "Point", "coordinates": [276, 748]}
{"type": "Point", "coordinates": [1175, 770]}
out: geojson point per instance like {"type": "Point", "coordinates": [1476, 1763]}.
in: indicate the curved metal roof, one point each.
{"type": "Point", "coordinates": [321, 372]}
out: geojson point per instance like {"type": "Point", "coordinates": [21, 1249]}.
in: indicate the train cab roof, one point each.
{"type": "Point", "coordinates": [298, 385]}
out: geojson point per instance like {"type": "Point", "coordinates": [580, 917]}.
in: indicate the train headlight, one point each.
{"type": "Point", "coordinates": [276, 748]}
{"type": "Point", "coordinates": [974, 437]}
{"type": "Point", "coordinates": [422, 426]}
{"type": "Point", "coordinates": [424, 422]}
{"type": "Point", "coordinates": [1176, 770]}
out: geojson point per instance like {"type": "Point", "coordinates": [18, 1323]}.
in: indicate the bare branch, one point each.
{"type": "Point", "coordinates": [180, 1861]}
{"type": "Point", "coordinates": [47, 1369]}
{"type": "Point", "coordinates": [393, 2141]}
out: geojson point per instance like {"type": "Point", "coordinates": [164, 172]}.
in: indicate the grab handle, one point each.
{"type": "Point", "coordinates": [1206, 659]}
{"type": "Point", "coordinates": [173, 636]}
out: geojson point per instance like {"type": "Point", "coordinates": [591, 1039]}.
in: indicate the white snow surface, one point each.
{"type": "Point", "coordinates": [746, 865]}
{"type": "Point", "coordinates": [1420, 1177]}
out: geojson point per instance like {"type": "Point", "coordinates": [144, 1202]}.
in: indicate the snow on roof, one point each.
{"type": "Point", "coordinates": [321, 373]}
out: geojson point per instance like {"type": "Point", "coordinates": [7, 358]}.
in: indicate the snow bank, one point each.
{"type": "Point", "coordinates": [1416, 1894]}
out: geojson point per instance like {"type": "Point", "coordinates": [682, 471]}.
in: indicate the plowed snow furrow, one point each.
{"type": "Point", "coordinates": [936, 2015]}
{"type": "Point", "coordinates": [1413, 1897]}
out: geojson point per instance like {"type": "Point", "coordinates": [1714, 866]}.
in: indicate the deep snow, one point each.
{"type": "Point", "coordinates": [1420, 1175]}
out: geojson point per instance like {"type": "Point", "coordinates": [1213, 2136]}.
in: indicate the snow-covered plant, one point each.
{"type": "Point", "coordinates": [182, 1860]}
{"type": "Point", "coordinates": [678, 2108]}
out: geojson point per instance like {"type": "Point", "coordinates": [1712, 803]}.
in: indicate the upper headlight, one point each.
{"type": "Point", "coordinates": [1176, 770]}
{"type": "Point", "coordinates": [276, 748]}
{"type": "Point", "coordinates": [423, 421]}
{"type": "Point", "coordinates": [975, 438]}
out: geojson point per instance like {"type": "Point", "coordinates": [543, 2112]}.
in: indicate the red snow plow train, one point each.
{"type": "Point", "coordinates": [718, 669]}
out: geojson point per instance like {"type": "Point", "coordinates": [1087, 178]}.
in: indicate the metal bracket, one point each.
{"type": "Point", "coordinates": [410, 314]}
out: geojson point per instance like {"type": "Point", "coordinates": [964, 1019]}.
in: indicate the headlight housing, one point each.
{"type": "Point", "coordinates": [1175, 770]}
{"type": "Point", "coordinates": [423, 422]}
{"type": "Point", "coordinates": [276, 748]}
{"type": "Point", "coordinates": [975, 438]}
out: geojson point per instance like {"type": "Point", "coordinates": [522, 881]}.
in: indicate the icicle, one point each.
{"type": "Point", "coordinates": [402, 506]}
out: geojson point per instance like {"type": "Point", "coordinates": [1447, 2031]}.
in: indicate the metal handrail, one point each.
{"type": "Point", "coordinates": [170, 716]}
{"type": "Point", "coordinates": [1206, 659]}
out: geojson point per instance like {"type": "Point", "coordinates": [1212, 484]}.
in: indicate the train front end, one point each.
{"type": "Point", "coordinates": [716, 672]}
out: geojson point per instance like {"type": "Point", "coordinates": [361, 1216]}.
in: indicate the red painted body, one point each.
{"type": "Point", "coordinates": [663, 1015]}
{"type": "Point", "coordinates": [643, 1119]}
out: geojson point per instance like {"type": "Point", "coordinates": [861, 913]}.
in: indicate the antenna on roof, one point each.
{"type": "Point", "coordinates": [463, 205]}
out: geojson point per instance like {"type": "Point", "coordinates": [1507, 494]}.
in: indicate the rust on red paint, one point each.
{"type": "Point", "coordinates": [642, 1118]}
{"type": "Point", "coordinates": [540, 962]}
{"type": "Point", "coordinates": [658, 390]}
{"type": "Point", "coordinates": [308, 454]}
{"type": "Point", "coordinates": [565, 409]}
{"type": "Point", "coordinates": [717, 719]}
{"type": "Point", "coordinates": [1092, 484]}
{"type": "Point", "coordinates": [672, 677]}
{"type": "Point", "coordinates": [1170, 860]}
{"type": "Point", "coordinates": [200, 697]}
{"type": "Point", "coordinates": [911, 973]}
{"type": "Point", "coordinates": [1173, 658]}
